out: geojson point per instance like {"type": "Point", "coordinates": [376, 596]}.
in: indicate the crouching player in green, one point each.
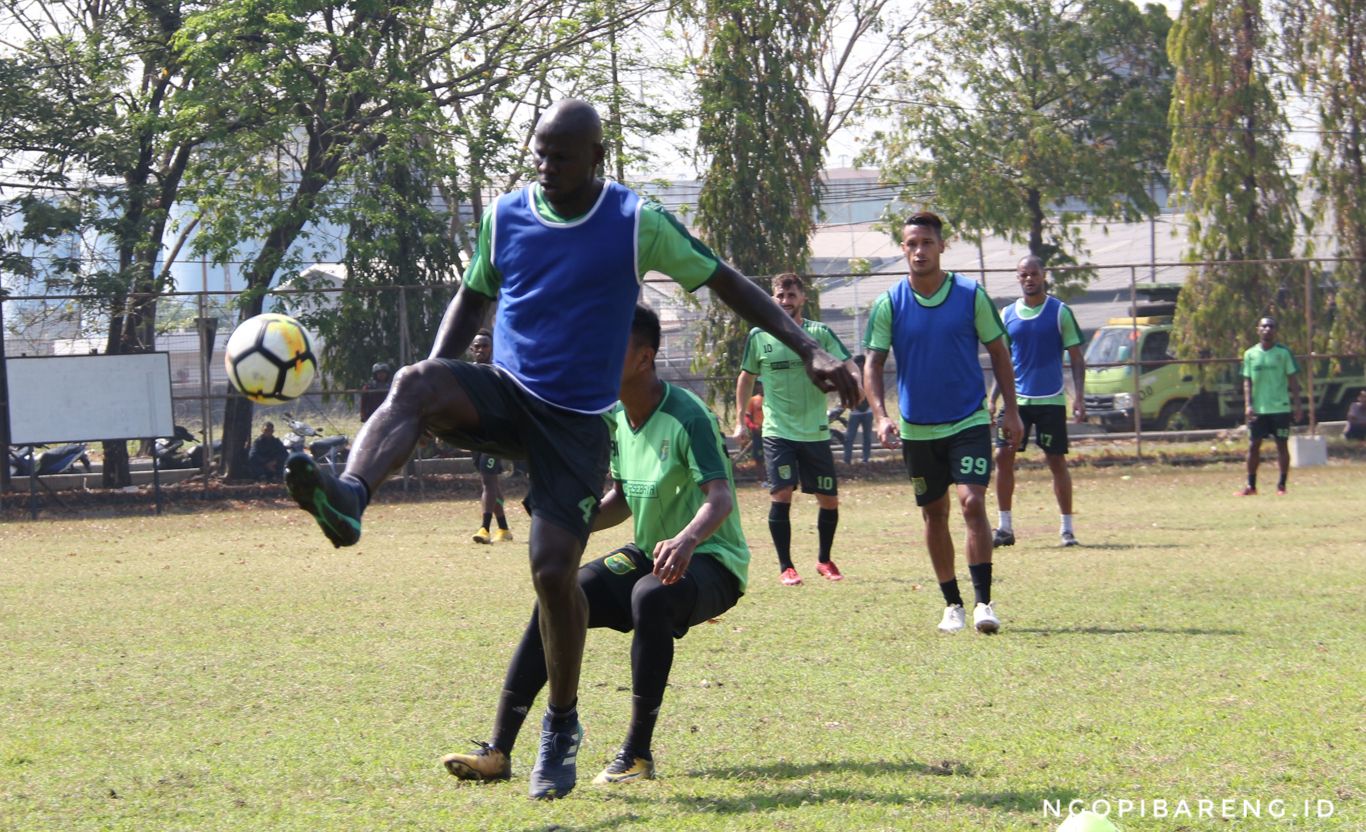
{"type": "Point", "coordinates": [689, 561]}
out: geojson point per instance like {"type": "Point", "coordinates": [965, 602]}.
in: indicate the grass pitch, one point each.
{"type": "Point", "coordinates": [231, 671]}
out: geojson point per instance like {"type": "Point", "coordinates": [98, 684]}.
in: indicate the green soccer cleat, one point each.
{"type": "Point", "coordinates": [626, 768]}
{"type": "Point", "coordinates": [332, 504]}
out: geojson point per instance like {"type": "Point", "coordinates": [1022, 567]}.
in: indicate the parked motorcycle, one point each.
{"type": "Point", "coordinates": [58, 460]}
{"type": "Point", "coordinates": [329, 449]}
{"type": "Point", "coordinates": [182, 451]}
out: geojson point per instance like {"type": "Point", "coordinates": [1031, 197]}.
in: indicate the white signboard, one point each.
{"type": "Point", "coordinates": [84, 398]}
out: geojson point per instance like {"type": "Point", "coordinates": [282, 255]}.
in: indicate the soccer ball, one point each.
{"type": "Point", "coordinates": [270, 359]}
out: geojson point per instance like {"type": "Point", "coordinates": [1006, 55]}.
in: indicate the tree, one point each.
{"type": "Point", "coordinates": [102, 118]}
{"type": "Point", "coordinates": [352, 79]}
{"type": "Point", "coordinates": [1065, 105]}
{"type": "Point", "coordinates": [1229, 162]}
{"type": "Point", "coordinates": [1327, 48]}
{"type": "Point", "coordinates": [775, 81]}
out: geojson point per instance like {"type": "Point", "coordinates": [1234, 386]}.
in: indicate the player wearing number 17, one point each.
{"type": "Point", "coordinates": [933, 322]}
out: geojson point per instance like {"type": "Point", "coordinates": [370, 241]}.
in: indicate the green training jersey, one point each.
{"type": "Point", "coordinates": [1270, 371]}
{"type": "Point", "coordinates": [662, 245]}
{"type": "Point", "coordinates": [878, 336]}
{"type": "Point", "coordinates": [794, 407]}
{"type": "Point", "coordinates": [1071, 337]}
{"type": "Point", "coordinates": [660, 467]}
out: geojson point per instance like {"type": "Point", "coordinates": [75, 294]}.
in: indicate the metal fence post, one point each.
{"type": "Point", "coordinates": [1133, 358]}
{"type": "Point", "coordinates": [1309, 328]}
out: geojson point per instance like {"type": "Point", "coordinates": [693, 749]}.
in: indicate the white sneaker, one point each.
{"type": "Point", "coordinates": [984, 619]}
{"type": "Point", "coordinates": [954, 619]}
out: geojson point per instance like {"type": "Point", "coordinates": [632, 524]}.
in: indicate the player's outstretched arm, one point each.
{"type": "Point", "coordinates": [672, 556]}
{"type": "Point", "coordinates": [613, 510]}
{"type": "Point", "coordinates": [826, 371]}
{"type": "Point", "coordinates": [1004, 373]}
{"type": "Point", "coordinates": [887, 430]}
{"type": "Point", "coordinates": [464, 316]}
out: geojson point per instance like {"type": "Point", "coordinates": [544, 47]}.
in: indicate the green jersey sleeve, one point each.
{"type": "Point", "coordinates": [832, 344]}
{"type": "Point", "coordinates": [666, 246]}
{"type": "Point", "coordinates": [986, 319]}
{"type": "Point", "coordinates": [1071, 333]}
{"type": "Point", "coordinates": [704, 448]}
{"type": "Point", "coordinates": [877, 335]}
{"type": "Point", "coordinates": [481, 276]}
{"type": "Point", "coordinates": [749, 361]}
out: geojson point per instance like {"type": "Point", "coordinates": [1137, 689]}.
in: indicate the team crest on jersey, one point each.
{"type": "Point", "coordinates": [619, 564]}
{"type": "Point", "coordinates": [664, 451]}
{"type": "Point", "coordinates": [784, 472]}
{"type": "Point", "coordinates": [918, 483]}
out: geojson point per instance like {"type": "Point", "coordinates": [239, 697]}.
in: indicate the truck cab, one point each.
{"type": "Point", "coordinates": [1169, 396]}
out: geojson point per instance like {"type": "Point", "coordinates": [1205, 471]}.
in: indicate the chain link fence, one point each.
{"type": "Point", "coordinates": [1135, 383]}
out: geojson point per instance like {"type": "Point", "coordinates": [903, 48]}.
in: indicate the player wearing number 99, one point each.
{"type": "Point", "coordinates": [933, 322]}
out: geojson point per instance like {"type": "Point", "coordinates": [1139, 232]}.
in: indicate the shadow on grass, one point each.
{"type": "Point", "coordinates": [1126, 631]}
{"type": "Point", "coordinates": [1120, 547]}
{"type": "Point", "coordinates": [788, 771]}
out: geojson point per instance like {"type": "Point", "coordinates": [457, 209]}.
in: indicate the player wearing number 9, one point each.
{"type": "Point", "coordinates": [933, 322]}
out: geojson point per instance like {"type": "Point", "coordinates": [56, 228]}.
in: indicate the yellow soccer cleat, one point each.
{"type": "Point", "coordinates": [482, 536]}
{"type": "Point", "coordinates": [502, 536]}
{"type": "Point", "coordinates": [485, 764]}
{"type": "Point", "coordinates": [626, 768]}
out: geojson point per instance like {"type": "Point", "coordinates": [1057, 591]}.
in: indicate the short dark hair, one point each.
{"type": "Point", "coordinates": [484, 331]}
{"type": "Point", "coordinates": [645, 326]}
{"type": "Point", "coordinates": [787, 280]}
{"type": "Point", "coordinates": [268, 426]}
{"type": "Point", "coordinates": [1268, 319]}
{"type": "Point", "coordinates": [926, 218]}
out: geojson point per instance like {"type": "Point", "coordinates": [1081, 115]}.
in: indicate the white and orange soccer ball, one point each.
{"type": "Point", "coordinates": [270, 358]}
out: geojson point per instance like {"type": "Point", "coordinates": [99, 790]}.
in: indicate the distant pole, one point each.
{"type": "Point", "coordinates": [982, 264]}
{"type": "Point", "coordinates": [1309, 326]}
{"type": "Point", "coordinates": [4, 399]}
{"type": "Point", "coordinates": [1133, 359]}
{"type": "Point", "coordinates": [1152, 231]}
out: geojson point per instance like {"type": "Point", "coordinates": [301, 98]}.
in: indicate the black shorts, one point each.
{"type": "Point", "coordinates": [1050, 428]}
{"type": "Point", "coordinates": [487, 464]}
{"type": "Point", "coordinates": [964, 458]}
{"type": "Point", "coordinates": [566, 452]}
{"type": "Point", "coordinates": [708, 589]}
{"type": "Point", "coordinates": [1269, 424]}
{"type": "Point", "coordinates": [811, 463]}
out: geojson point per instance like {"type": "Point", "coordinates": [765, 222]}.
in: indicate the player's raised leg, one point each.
{"type": "Point", "coordinates": [424, 395]}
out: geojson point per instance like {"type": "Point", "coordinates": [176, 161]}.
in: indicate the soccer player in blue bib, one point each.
{"type": "Point", "coordinates": [688, 561]}
{"type": "Point", "coordinates": [933, 321]}
{"type": "Point", "coordinates": [1040, 329]}
{"type": "Point", "coordinates": [563, 259]}
{"type": "Point", "coordinates": [1271, 388]}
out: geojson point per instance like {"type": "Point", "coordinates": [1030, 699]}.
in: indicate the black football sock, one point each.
{"type": "Point", "coordinates": [781, 530]}
{"type": "Point", "coordinates": [644, 714]}
{"type": "Point", "coordinates": [563, 719]}
{"type": "Point", "coordinates": [951, 594]}
{"type": "Point", "coordinates": [507, 722]}
{"type": "Point", "coordinates": [1252, 481]}
{"type": "Point", "coordinates": [488, 518]}
{"type": "Point", "coordinates": [360, 488]}
{"type": "Point", "coordinates": [981, 581]}
{"type": "Point", "coordinates": [502, 517]}
{"type": "Point", "coordinates": [827, 520]}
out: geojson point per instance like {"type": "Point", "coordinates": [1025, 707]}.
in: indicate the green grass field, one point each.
{"type": "Point", "coordinates": [231, 671]}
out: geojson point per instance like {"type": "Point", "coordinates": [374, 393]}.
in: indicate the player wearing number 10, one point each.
{"type": "Point", "coordinates": [796, 429]}
{"type": "Point", "coordinates": [933, 321]}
